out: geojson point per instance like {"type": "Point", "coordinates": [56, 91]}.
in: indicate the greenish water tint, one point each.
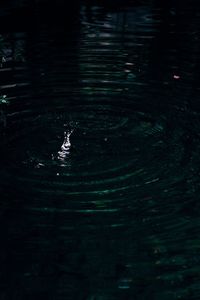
{"type": "Point", "coordinates": [99, 128]}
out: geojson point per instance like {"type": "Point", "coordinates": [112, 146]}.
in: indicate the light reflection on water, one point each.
{"type": "Point", "coordinates": [100, 156]}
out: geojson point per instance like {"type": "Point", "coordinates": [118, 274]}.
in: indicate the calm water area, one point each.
{"type": "Point", "coordinates": [100, 151]}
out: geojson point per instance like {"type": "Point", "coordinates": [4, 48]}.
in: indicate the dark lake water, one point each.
{"type": "Point", "coordinates": [100, 152]}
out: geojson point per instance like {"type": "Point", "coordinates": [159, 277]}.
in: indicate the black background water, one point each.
{"type": "Point", "coordinates": [115, 214]}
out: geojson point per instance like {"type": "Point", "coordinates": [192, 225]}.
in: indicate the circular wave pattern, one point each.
{"type": "Point", "coordinates": [100, 137]}
{"type": "Point", "coordinates": [110, 151]}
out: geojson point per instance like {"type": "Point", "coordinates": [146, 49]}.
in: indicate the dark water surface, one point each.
{"type": "Point", "coordinates": [100, 153]}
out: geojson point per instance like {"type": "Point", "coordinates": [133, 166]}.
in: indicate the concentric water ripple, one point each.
{"type": "Point", "coordinates": [111, 150]}
{"type": "Point", "coordinates": [100, 142]}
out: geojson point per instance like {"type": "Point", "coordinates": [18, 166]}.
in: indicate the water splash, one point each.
{"type": "Point", "coordinates": [64, 153]}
